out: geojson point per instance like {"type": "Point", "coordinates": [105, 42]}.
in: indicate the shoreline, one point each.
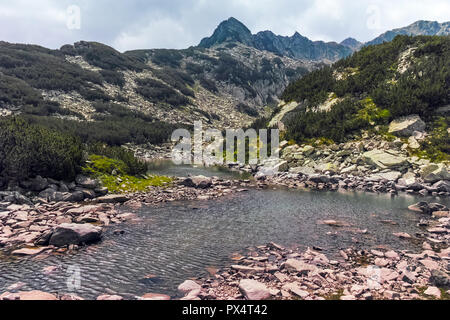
{"type": "Point", "coordinates": [199, 188]}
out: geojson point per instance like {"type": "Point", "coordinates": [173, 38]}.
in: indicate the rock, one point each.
{"type": "Point", "coordinates": [87, 182]}
{"type": "Point", "coordinates": [155, 297]}
{"type": "Point", "coordinates": [384, 159]}
{"type": "Point", "coordinates": [413, 144]}
{"type": "Point", "coordinates": [254, 290]}
{"type": "Point", "coordinates": [71, 297]}
{"type": "Point", "coordinates": [189, 286]}
{"type": "Point", "coordinates": [113, 198]}
{"type": "Point", "coordinates": [248, 269]}
{"type": "Point", "coordinates": [295, 289]}
{"type": "Point", "coordinates": [430, 264]}
{"type": "Point", "coordinates": [36, 295]}
{"type": "Point", "coordinates": [109, 298]}
{"type": "Point", "coordinates": [317, 178]}
{"type": "Point", "coordinates": [103, 191]}
{"type": "Point", "coordinates": [76, 196]}
{"type": "Point", "coordinates": [440, 279]}
{"type": "Point", "coordinates": [402, 235]}
{"type": "Point", "coordinates": [434, 172]}
{"type": "Point", "coordinates": [307, 171]}
{"type": "Point", "coordinates": [434, 292]}
{"type": "Point", "coordinates": [308, 150]}
{"type": "Point", "coordinates": [71, 233]}
{"type": "Point", "coordinates": [390, 176]}
{"type": "Point", "coordinates": [28, 251]}
{"type": "Point", "coordinates": [199, 182]}
{"type": "Point", "coordinates": [420, 207]}
{"type": "Point", "coordinates": [38, 184]}
{"type": "Point", "coordinates": [297, 266]}
{"type": "Point", "coordinates": [405, 126]}
{"type": "Point", "coordinates": [442, 186]}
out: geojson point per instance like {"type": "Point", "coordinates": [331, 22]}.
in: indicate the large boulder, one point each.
{"type": "Point", "coordinates": [38, 184]}
{"type": "Point", "coordinates": [434, 172]}
{"type": "Point", "coordinates": [384, 159]}
{"type": "Point", "coordinates": [87, 182]}
{"type": "Point", "coordinates": [406, 126]}
{"type": "Point", "coordinates": [72, 233]}
{"type": "Point", "coordinates": [199, 182]}
{"type": "Point", "coordinates": [254, 290]}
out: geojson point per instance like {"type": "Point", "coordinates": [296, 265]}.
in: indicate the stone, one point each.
{"type": "Point", "coordinates": [155, 297]}
{"type": "Point", "coordinates": [384, 159]}
{"type": "Point", "coordinates": [189, 286]}
{"type": "Point", "coordinates": [434, 292]}
{"type": "Point", "coordinates": [109, 298]}
{"type": "Point", "coordinates": [113, 198]}
{"type": "Point", "coordinates": [297, 266]}
{"type": "Point", "coordinates": [295, 289]}
{"type": "Point", "coordinates": [390, 176]}
{"type": "Point", "coordinates": [434, 172]}
{"type": "Point", "coordinates": [406, 126]}
{"type": "Point", "coordinates": [402, 235]}
{"type": "Point", "coordinates": [430, 264]}
{"type": "Point", "coordinates": [72, 233]}
{"type": "Point", "coordinates": [248, 269]}
{"type": "Point", "coordinates": [254, 290]}
{"type": "Point", "coordinates": [413, 143]}
{"type": "Point", "coordinates": [306, 171]}
{"type": "Point", "coordinates": [198, 182]}
{"type": "Point", "coordinates": [440, 279]}
{"type": "Point", "coordinates": [87, 182]}
{"type": "Point", "coordinates": [36, 296]}
{"type": "Point", "coordinates": [38, 184]}
{"type": "Point", "coordinates": [28, 251]}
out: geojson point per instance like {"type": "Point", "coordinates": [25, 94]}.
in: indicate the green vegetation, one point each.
{"type": "Point", "coordinates": [436, 147]}
{"type": "Point", "coordinates": [157, 92]}
{"type": "Point", "coordinates": [118, 176]}
{"type": "Point", "coordinates": [28, 150]}
{"type": "Point", "coordinates": [373, 92]}
{"type": "Point", "coordinates": [42, 68]}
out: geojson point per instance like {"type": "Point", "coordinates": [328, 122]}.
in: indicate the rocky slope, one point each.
{"type": "Point", "coordinates": [227, 86]}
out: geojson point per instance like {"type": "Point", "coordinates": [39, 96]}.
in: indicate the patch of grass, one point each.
{"type": "Point", "coordinates": [131, 184]}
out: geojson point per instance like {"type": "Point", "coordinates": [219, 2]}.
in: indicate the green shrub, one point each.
{"type": "Point", "coordinates": [29, 150]}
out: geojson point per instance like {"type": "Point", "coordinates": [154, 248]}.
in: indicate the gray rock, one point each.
{"type": "Point", "coordinates": [434, 172]}
{"type": "Point", "coordinates": [199, 182]}
{"type": "Point", "coordinates": [87, 182]}
{"type": "Point", "coordinates": [39, 184]}
{"type": "Point", "coordinates": [405, 127]}
{"type": "Point", "coordinates": [72, 233]}
{"type": "Point", "coordinates": [254, 290]}
{"type": "Point", "coordinates": [384, 159]}
{"type": "Point", "coordinates": [113, 198]}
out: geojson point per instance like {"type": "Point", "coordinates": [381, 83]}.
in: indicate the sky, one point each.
{"type": "Point", "coordinates": [177, 24]}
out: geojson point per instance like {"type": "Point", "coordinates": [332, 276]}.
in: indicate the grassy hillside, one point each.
{"type": "Point", "coordinates": [410, 75]}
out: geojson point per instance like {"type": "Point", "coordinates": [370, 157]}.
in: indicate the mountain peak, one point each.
{"type": "Point", "coordinates": [352, 43]}
{"type": "Point", "coordinates": [229, 30]}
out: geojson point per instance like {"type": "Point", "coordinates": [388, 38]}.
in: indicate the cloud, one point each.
{"type": "Point", "coordinates": [132, 24]}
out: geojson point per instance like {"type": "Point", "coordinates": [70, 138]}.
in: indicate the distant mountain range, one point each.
{"type": "Point", "coordinates": [300, 47]}
{"type": "Point", "coordinates": [296, 47]}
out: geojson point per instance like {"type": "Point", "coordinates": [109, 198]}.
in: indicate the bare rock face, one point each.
{"type": "Point", "coordinates": [406, 126]}
{"type": "Point", "coordinates": [72, 233]}
{"type": "Point", "coordinates": [254, 290]}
